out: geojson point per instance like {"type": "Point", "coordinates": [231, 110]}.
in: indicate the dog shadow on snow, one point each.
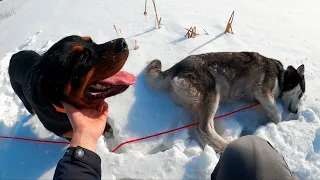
{"type": "Point", "coordinates": [28, 160]}
{"type": "Point", "coordinates": [154, 112]}
{"type": "Point", "coordinates": [22, 159]}
{"type": "Point", "coordinates": [151, 113]}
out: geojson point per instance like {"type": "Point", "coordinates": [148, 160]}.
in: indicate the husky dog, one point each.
{"type": "Point", "coordinates": [200, 82]}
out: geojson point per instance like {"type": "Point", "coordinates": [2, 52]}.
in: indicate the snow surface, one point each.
{"type": "Point", "coordinates": [287, 30]}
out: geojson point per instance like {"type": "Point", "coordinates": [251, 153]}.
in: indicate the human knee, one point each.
{"type": "Point", "coordinates": [246, 143]}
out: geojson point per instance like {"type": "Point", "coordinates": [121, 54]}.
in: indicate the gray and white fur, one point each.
{"type": "Point", "coordinates": [200, 82]}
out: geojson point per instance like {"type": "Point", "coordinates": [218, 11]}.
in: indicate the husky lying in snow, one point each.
{"type": "Point", "coordinates": [200, 82]}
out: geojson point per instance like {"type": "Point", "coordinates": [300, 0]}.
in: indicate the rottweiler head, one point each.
{"type": "Point", "coordinates": [78, 71]}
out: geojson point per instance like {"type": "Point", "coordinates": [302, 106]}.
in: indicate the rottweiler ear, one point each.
{"type": "Point", "coordinates": [26, 54]}
{"type": "Point", "coordinates": [301, 70]}
{"type": "Point", "coordinates": [51, 86]}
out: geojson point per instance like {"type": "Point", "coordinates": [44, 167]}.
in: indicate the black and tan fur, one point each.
{"type": "Point", "coordinates": [64, 73]}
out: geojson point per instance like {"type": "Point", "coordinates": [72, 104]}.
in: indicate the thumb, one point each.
{"type": "Point", "coordinates": [69, 109]}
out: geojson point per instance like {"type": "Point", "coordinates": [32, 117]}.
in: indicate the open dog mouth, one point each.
{"type": "Point", "coordinates": [111, 86]}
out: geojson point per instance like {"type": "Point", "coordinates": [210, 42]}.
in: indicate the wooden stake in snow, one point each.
{"type": "Point", "coordinates": [120, 33]}
{"type": "Point", "coordinates": [229, 27]}
{"type": "Point", "coordinates": [145, 8]}
{"type": "Point", "coordinates": [191, 32]}
{"type": "Point", "coordinates": [135, 45]}
{"type": "Point", "coordinates": [155, 10]}
{"type": "Point", "coordinates": [116, 30]}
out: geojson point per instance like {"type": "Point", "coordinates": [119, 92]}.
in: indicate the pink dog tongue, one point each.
{"type": "Point", "coordinates": [121, 78]}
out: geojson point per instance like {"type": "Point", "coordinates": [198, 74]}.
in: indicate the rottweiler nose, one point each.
{"type": "Point", "coordinates": [121, 45]}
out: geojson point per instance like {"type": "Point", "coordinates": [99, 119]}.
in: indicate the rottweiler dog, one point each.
{"type": "Point", "coordinates": [75, 70]}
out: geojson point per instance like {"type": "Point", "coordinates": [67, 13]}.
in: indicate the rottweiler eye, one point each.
{"type": "Point", "coordinates": [81, 53]}
{"type": "Point", "coordinates": [85, 55]}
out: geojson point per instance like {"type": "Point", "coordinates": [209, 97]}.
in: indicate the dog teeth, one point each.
{"type": "Point", "coordinates": [100, 94]}
{"type": "Point", "coordinates": [99, 86]}
{"type": "Point", "coordinates": [95, 93]}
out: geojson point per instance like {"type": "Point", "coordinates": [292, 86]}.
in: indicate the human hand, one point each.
{"type": "Point", "coordinates": [87, 123]}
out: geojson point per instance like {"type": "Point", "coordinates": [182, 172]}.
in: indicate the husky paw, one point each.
{"type": "Point", "coordinates": [276, 118]}
{"type": "Point", "coordinates": [220, 148]}
{"type": "Point", "coordinates": [207, 137]}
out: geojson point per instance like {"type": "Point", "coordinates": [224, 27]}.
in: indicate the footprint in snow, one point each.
{"type": "Point", "coordinates": [29, 41]}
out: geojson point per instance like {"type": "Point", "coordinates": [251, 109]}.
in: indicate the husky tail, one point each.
{"type": "Point", "coordinates": [157, 79]}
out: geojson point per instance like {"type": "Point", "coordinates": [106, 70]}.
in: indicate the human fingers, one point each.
{"type": "Point", "coordinates": [69, 108]}
{"type": "Point", "coordinates": [105, 109]}
{"type": "Point", "coordinates": [99, 108]}
{"type": "Point", "coordinates": [70, 112]}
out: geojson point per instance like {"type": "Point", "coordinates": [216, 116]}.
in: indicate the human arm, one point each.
{"type": "Point", "coordinates": [80, 161]}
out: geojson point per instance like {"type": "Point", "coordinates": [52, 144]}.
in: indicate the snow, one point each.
{"type": "Point", "coordinates": [286, 30]}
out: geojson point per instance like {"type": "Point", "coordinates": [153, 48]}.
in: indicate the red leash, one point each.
{"type": "Point", "coordinates": [183, 127]}
{"type": "Point", "coordinates": [133, 140]}
{"type": "Point", "coordinates": [34, 140]}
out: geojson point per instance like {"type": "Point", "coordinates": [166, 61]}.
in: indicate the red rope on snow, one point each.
{"type": "Point", "coordinates": [183, 127]}
{"type": "Point", "coordinates": [34, 140]}
{"type": "Point", "coordinates": [133, 140]}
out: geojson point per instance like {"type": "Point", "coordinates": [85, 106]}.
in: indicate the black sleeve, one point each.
{"type": "Point", "coordinates": [78, 163]}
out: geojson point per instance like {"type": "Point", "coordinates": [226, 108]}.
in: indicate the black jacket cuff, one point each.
{"type": "Point", "coordinates": [86, 156]}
